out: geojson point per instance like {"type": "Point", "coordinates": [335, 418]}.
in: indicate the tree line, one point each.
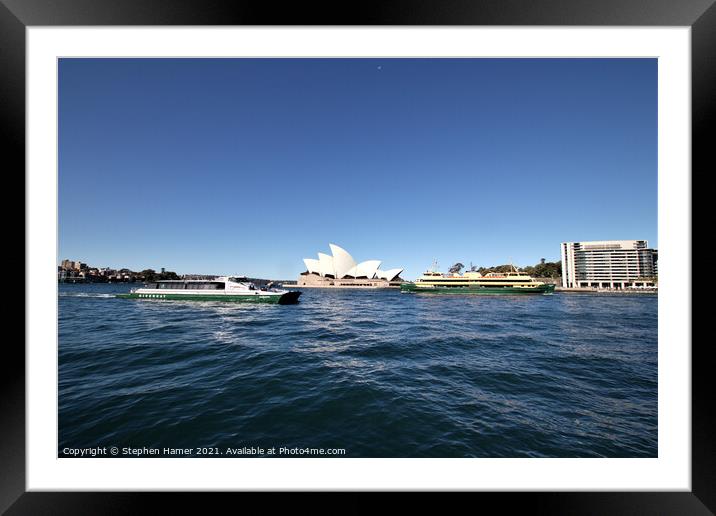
{"type": "Point", "coordinates": [152, 275]}
{"type": "Point", "coordinates": [543, 269]}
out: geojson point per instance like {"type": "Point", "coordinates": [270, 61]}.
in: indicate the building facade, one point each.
{"type": "Point", "coordinates": [614, 264]}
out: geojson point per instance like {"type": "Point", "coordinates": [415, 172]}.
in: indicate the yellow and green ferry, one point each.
{"type": "Point", "coordinates": [236, 289]}
{"type": "Point", "coordinates": [472, 282]}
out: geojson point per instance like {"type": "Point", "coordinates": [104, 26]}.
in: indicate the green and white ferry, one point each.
{"type": "Point", "coordinates": [472, 282]}
{"type": "Point", "coordinates": [224, 288]}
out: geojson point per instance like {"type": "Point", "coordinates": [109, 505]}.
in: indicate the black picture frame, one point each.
{"type": "Point", "coordinates": [700, 15]}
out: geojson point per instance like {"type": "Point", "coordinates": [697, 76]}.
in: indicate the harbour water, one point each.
{"type": "Point", "coordinates": [375, 373]}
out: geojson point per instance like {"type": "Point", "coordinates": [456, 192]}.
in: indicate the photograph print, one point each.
{"type": "Point", "coordinates": [357, 258]}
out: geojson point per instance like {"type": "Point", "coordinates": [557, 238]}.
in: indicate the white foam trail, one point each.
{"type": "Point", "coordinates": [84, 294]}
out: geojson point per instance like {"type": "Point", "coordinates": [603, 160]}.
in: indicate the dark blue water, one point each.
{"type": "Point", "coordinates": [376, 373]}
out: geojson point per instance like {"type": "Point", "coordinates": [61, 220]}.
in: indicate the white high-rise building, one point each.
{"type": "Point", "coordinates": [608, 264]}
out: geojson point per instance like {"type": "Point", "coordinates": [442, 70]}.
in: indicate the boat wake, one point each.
{"type": "Point", "coordinates": [85, 294]}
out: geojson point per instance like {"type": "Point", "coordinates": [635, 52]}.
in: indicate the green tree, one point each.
{"type": "Point", "coordinates": [148, 274]}
{"type": "Point", "coordinates": [456, 268]}
{"type": "Point", "coordinates": [544, 269]}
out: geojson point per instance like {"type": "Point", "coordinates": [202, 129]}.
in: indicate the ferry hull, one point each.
{"type": "Point", "coordinates": [476, 290]}
{"type": "Point", "coordinates": [286, 298]}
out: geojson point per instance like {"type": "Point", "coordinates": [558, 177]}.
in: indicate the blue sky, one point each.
{"type": "Point", "coordinates": [246, 166]}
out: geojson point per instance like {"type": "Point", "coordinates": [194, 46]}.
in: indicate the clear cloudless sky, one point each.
{"type": "Point", "coordinates": [246, 166]}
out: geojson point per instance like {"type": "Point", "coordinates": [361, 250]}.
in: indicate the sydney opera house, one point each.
{"type": "Point", "coordinates": [339, 269]}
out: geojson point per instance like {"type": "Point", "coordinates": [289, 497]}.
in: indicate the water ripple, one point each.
{"type": "Point", "coordinates": [379, 373]}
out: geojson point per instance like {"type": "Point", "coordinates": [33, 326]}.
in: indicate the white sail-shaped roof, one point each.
{"type": "Point", "coordinates": [390, 274]}
{"type": "Point", "coordinates": [326, 264]}
{"type": "Point", "coordinates": [312, 265]}
{"type": "Point", "coordinates": [366, 269]}
{"type": "Point", "coordinates": [342, 264]}
{"type": "Point", "coordinates": [342, 261]}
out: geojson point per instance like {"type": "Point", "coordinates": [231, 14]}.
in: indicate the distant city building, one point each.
{"type": "Point", "coordinates": [339, 269]}
{"type": "Point", "coordinates": [70, 265]}
{"type": "Point", "coordinates": [76, 271]}
{"type": "Point", "coordinates": [614, 264]}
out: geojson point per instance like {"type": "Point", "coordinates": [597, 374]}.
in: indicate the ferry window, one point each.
{"type": "Point", "coordinates": [205, 286]}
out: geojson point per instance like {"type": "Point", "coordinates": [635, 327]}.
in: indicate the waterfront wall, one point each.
{"type": "Point", "coordinates": [316, 281]}
{"type": "Point", "coordinates": [595, 290]}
